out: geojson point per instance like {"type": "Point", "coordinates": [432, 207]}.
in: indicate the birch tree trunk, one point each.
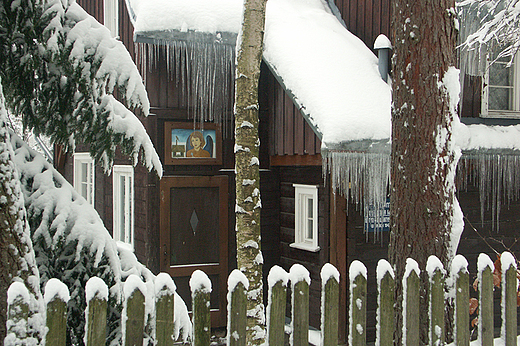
{"type": "Point", "coordinates": [423, 157]}
{"type": "Point", "coordinates": [248, 203]}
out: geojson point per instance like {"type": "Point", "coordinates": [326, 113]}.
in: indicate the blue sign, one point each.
{"type": "Point", "coordinates": [378, 219]}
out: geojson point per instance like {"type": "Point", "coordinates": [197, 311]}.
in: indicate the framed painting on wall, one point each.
{"type": "Point", "coordinates": [186, 144]}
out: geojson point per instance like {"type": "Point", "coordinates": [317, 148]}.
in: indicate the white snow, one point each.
{"type": "Point", "coordinates": [55, 289]}
{"type": "Point", "coordinates": [164, 285]}
{"type": "Point", "coordinates": [199, 281]}
{"type": "Point", "coordinates": [382, 42]}
{"type": "Point", "coordinates": [299, 273]}
{"type": "Point", "coordinates": [328, 271]}
{"type": "Point", "coordinates": [433, 264]}
{"type": "Point", "coordinates": [356, 268]}
{"type": "Point", "coordinates": [132, 284]}
{"type": "Point", "coordinates": [96, 288]}
{"type": "Point", "coordinates": [17, 291]}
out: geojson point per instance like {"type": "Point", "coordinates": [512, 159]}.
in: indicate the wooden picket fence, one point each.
{"type": "Point", "coordinates": [298, 277]}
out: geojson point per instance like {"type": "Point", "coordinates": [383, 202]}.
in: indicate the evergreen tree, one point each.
{"type": "Point", "coordinates": [423, 158]}
{"type": "Point", "coordinates": [60, 68]}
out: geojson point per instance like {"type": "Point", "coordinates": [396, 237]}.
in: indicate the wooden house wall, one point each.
{"type": "Point", "coordinates": [366, 18]}
{"type": "Point", "coordinates": [313, 261]}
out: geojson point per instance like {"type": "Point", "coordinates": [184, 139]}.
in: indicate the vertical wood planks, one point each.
{"type": "Point", "coordinates": [485, 316]}
{"type": "Point", "coordinates": [411, 295]}
{"type": "Point", "coordinates": [300, 281]}
{"type": "Point", "coordinates": [358, 293]}
{"type": "Point", "coordinates": [386, 301]}
{"type": "Point", "coordinates": [436, 300]}
{"type": "Point", "coordinates": [277, 281]}
{"type": "Point", "coordinates": [164, 307]}
{"type": "Point", "coordinates": [461, 276]}
{"type": "Point", "coordinates": [330, 305]}
{"type": "Point", "coordinates": [96, 320]}
{"type": "Point", "coordinates": [56, 297]}
{"type": "Point", "coordinates": [509, 298]}
{"type": "Point", "coordinates": [200, 286]}
{"type": "Point", "coordinates": [237, 308]}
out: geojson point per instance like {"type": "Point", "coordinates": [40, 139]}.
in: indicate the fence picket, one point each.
{"type": "Point", "coordinates": [134, 309]}
{"type": "Point", "coordinates": [357, 308]}
{"type": "Point", "coordinates": [164, 305]}
{"type": "Point", "coordinates": [460, 268]}
{"type": "Point", "coordinates": [509, 298]}
{"type": "Point", "coordinates": [485, 316]}
{"type": "Point", "coordinates": [300, 280]}
{"type": "Point", "coordinates": [56, 296]}
{"type": "Point", "coordinates": [329, 305]}
{"type": "Point", "coordinates": [17, 313]}
{"type": "Point", "coordinates": [411, 294]}
{"type": "Point", "coordinates": [96, 319]}
{"type": "Point", "coordinates": [200, 286]}
{"type": "Point", "coordinates": [237, 308]}
{"type": "Point", "coordinates": [386, 303]}
{"type": "Point", "coordinates": [436, 300]}
{"type": "Point", "coordinates": [277, 306]}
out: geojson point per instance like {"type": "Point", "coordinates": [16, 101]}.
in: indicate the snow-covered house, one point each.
{"type": "Point", "coordinates": [324, 126]}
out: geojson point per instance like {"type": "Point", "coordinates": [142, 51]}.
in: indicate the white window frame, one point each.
{"type": "Point", "coordinates": [80, 160]}
{"type": "Point", "coordinates": [302, 216]}
{"type": "Point", "coordinates": [125, 207]}
{"type": "Point", "coordinates": [514, 113]}
{"type": "Point", "coordinates": [111, 16]}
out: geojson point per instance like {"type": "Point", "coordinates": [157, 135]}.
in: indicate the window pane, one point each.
{"type": "Point", "coordinates": [122, 207]}
{"type": "Point", "coordinates": [310, 217]}
{"type": "Point", "coordinates": [500, 74]}
{"type": "Point", "coordinates": [499, 98]}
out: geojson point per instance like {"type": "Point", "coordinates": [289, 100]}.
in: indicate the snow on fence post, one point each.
{"type": "Point", "coordinates": [277, 295]}
{"type": "Point", "coordinates": [133, 311]}
{"type": "Point", "coordinates": [485, 268]}
{"type": "Point", "coordinates": [460, 277]}
{"type": "Point", "coordinates": [329, 305]}
{"type": "Point", "coordinates": [436, 300]}
{"type": "Point", "coordinates": [357, 308]}
{"type": "Point", "coordinates": [164, 307]}
{"type": "Point", "coordinates": [96, 292]}
{"type": "Point", "coordinates": [509, 298]}
{"type": "Point", "coordinates": [237, 308]}
{"type": "Point", "coordinates": [385, 301]}
{"type": "Point", "coordinates": [56, 298]}
{"type": "Point", "coordinates": [17, 314]}
{"type": "Point", "coordinates": [200, 286]}
{"type": "Point", "coordinates": [411, 295]}
{"type": "Point", "coordinates": [300, 282]}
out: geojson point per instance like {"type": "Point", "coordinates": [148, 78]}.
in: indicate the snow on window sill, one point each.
{"type": "Point", "coordinates": [126, 246]}
{"type": "Point", "coordinates": [305, 246]}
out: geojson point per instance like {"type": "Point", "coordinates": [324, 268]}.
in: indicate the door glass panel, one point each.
{"type": "Point", "coordinates": [194, 225]}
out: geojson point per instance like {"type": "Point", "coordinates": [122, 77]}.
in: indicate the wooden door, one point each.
{"type": "Point", "coordinates": [194, 235]}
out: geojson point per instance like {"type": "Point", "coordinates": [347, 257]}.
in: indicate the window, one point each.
{"type": "Point", "coordinates": [306, 217]}
{"type": "Point", "coordinates": [84, 176]}
{"type": "Point", "coordinates": [123, 198]}
{"type": "Point", "coordinates": [501, 88]}
{"type": "Point", "coordinates": [111, 9]}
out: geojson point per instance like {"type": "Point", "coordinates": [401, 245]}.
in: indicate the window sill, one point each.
{"type": "Point", "coordinates": [502, 114]}
{"type": "Point", "coordinates": [126, 246]}
{"type": "Point", "coordinates": [304, 246]}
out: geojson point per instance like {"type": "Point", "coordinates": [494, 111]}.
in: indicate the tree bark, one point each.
{"type": "Point", "coordinates": [17, 260]}
{"type": "Point", "coordinates": [248, 203]}
{"type": "Point", "coordinates": [423, 158]}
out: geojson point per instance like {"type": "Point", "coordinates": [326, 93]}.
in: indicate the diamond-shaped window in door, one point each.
{"type": "Point", "coordinates": [194, 221]}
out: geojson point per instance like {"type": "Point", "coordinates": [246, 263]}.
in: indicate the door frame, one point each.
{"type": "Point", "coordinates": [218, 316]}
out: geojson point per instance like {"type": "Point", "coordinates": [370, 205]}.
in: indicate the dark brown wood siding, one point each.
{"type": "Point", "coordinates": [313, 261]}
{"type": "Point", "coordinates": [289, 133]}
{"type": "Point", "coordinates": [366, 18]}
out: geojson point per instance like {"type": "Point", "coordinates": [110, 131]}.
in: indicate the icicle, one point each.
{"type": "Point", "coordinates": [495, 174]}
{"type": "Point", "coordinates": [204, 76]}
{"type": "Point", "coordinates": [360, 177]}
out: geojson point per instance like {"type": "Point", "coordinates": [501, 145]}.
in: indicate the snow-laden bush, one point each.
{"type": "Point", "coordinates": [72, 244]}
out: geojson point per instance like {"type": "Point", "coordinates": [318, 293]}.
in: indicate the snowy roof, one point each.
{"type": "Point", "coordinates": [332, 75]}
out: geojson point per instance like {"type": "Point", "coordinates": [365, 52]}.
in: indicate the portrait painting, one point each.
{"type": "Point", "coordinates": [187, 144]}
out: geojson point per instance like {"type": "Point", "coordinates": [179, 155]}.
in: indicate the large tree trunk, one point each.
{"type": "Point", "coordinates": [423, 159]}
{"type": "Point", "coordinates": [248, 205]}
{"type": "Point", "coordinates": [17, 261]}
